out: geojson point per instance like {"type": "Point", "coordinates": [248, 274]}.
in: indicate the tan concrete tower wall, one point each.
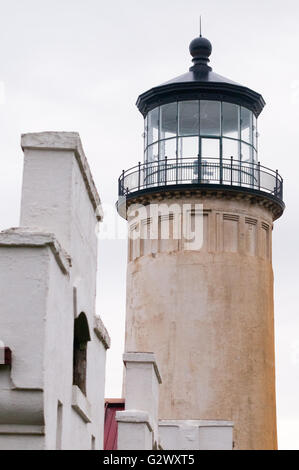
{"type": "Point", "coordinates": [208, 317]}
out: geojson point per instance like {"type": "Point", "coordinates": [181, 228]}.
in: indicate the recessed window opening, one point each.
{"type": "Point", "coordinates": [81, 338]}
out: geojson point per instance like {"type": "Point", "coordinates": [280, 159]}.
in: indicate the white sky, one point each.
{"type": "Point", "coordinates": [79, 65]}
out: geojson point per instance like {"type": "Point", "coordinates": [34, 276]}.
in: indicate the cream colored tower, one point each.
{"type": "Point", "coordinates": [206, 313]}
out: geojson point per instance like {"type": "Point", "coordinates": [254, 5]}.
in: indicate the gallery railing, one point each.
{"type": "Point", "coordinates": [184, 171]}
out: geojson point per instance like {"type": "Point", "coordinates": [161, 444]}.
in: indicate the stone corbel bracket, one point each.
{"type": "Point", "coordinates": [101, 332]}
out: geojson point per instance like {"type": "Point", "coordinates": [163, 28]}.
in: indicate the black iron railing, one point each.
{"type": "Point", "coordinates": [229, 172]}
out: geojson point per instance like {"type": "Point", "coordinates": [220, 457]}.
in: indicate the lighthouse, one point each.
{"type": "Point", "coordinates": [205, 309]}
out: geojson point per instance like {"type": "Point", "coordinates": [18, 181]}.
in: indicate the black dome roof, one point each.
{"type": "Point", "coordinates": [200, 83]}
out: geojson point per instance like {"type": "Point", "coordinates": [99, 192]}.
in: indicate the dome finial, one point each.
{"type": "Point", "coordinates": [200, 49]}
{"type": "Point", "coordinates": [200, 26]}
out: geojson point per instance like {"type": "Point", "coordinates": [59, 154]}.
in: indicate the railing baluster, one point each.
{"type": "Point", "coordinates": [139, 176]}
{"type": "Point", "coordinates": [165, 166]}
{"type": "Point", "coordinates": [231, 171]}
{"type": "Point", "coordinates": [259, 175]}
{"type": "Point", "coordinates": [158, 171]}
{"type": "Point", "coordinates": [221, 170]}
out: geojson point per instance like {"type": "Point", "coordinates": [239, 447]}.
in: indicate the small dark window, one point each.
{"type": "Point", "coordinates": [81, 338]}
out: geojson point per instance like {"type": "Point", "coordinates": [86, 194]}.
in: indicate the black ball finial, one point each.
{"type": "Point", "coordinates": [200, 49]}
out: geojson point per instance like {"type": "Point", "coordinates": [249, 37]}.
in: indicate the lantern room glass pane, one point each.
{"type": "Point", "coordinates": [246, 152]}
{"type": "Point", "coordinates": [230, 120]}
{"type": "Point", "coordinates": [153, 126]}
{"type": "Point", "coordinates": [153, 153]}
{"type": "Point", "coordinates": [168, 148]}
{"type": "Point", "coordinates": [209, 117]}
{"type": "Point", "coordinates": [246, 125]}
{"type": "Point", "coordinates": [230, 148]}
{"type": "Point", "coordinates": [168, 118]}
{"type": "Point", "coordinates": [188, 118]}
{"type": "Point", "coordinates": [188, 147]}
{"type": "Point", "coordinates": [210, 148]}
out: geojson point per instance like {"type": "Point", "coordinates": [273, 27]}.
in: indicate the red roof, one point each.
{"type": "Point", "coordinates": [112, 405]}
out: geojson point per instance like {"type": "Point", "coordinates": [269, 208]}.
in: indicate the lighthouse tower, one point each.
{"type": "Point", "coordinates": [205, 309]}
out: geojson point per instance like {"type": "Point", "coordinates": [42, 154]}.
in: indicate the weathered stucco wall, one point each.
{"type": "Point", "coordinates": [208, 317]}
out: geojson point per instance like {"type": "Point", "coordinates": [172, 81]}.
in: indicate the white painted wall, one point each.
{"type": "Point", "coordinates": [196, 435]}
{"type": "Point", "coordinates": [139, 427]}
{"type": "Point", "coordinates": [47, 278]}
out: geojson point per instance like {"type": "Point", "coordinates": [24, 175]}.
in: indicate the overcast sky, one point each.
{"type": "Point", "coordinates": [79, 65]}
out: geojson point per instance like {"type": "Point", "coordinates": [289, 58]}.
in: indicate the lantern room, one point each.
{"type": "Point", "coordinates": [205, 128]}
{"type": "Point", "coordinates": [200, 129]}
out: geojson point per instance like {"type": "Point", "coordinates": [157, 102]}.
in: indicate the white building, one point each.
{"type": "Point", "coordinates": [52, 393]}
